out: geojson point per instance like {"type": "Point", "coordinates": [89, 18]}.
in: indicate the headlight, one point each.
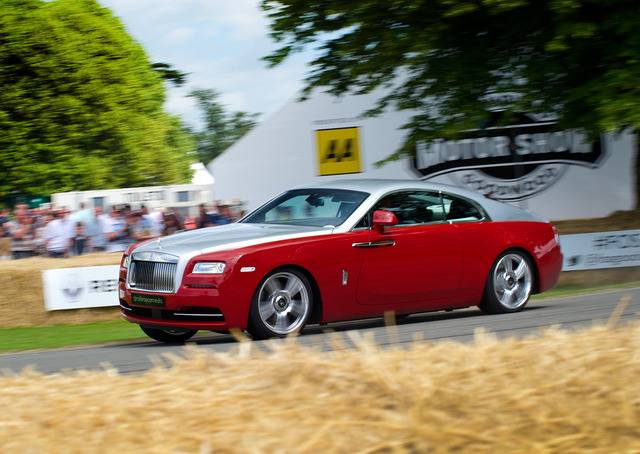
{"type": "Point", "coordinates": [127, 261]}
{"type": "Point", "coordinates": [209, 268]}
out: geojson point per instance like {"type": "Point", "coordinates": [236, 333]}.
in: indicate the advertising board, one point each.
{"type": "Point", "coordinates": [591, 251]}
{"type": "Point", "coordinates": [77, 288]}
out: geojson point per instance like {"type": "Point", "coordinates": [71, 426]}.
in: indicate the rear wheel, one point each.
{"type": "Point", "coordinates": [281, 304]}
{"type": "Point", "coordinates": [509, 284]}
{"type": "Point", "coordinates": [168, 335]}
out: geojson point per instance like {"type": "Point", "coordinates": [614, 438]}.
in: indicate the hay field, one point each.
{"type": "Point", "coordinates": [558, 392]}
{"type": "Point", "coordinates": [21, 298]}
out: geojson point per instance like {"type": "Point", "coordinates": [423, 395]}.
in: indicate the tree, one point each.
{"type": "Point", "coordinates": [80, 105]}
{"type": "Point", "coordinates": [169, 73]}
{"type": "Point", "coordinates": [221, 128]}
{"type": "Point", "coordinates": [453, 62]}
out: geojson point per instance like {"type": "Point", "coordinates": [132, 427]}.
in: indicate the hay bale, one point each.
{"type": "Point", "coordinates": [560, 392]}
{"type": "Point", "coordinates": [620, 220]}
{"type": "Point", "coordinates": [21, 295]}
{"type": "Point", "coordinates": [5, 247]}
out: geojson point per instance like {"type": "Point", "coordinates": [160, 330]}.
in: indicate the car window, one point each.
{"type": "Point", "coordinates": [457, 209]}
{"type": "Point", "coordinates": [410, 207]}
{"type": "Point", "coordinates": [312, 207]}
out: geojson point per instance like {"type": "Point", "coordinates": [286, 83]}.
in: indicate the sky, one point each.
{"type": "Point", "coordinates": [219, 43]}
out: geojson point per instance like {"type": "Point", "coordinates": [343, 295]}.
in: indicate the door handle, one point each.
{"type": "Point", "coordinates": [372, 244]}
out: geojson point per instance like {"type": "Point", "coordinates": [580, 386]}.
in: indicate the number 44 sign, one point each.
{"type": "Point", "coordinates": [338, 151]}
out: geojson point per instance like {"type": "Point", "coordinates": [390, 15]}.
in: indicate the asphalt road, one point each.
{"type": "Point", "coordinates": [568, 312]}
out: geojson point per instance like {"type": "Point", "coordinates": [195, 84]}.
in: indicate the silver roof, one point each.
{"type": "Point", "coordinates": [497, 211]}
{"type": "Point", "coordinates": [380, 185]}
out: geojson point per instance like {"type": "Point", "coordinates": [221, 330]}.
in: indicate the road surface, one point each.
{"type": "Point", "coordinates": [568, 312]}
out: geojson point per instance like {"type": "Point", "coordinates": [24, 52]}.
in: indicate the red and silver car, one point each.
{"type": "Point", "coordinates": [340, 251]}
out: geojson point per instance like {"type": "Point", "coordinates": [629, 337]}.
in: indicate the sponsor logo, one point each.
{"type": "Point", "coordinates": [338, 151]}
{"type": "Point", "coordinates": [72, 287]}
{"type": "Point", "coordinates": [511, 162]}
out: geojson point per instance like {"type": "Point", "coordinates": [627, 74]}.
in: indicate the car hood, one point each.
{"type": "Point", "coordinates": [226, 237]}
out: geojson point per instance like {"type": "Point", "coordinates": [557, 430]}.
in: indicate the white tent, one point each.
{"type": "Point", "coordinates": [315, 140]}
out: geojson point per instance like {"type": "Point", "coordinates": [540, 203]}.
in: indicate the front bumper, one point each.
{"type": "Point", "coordinates": [189, 308]}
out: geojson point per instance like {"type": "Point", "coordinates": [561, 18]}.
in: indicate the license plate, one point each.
{"type": "Point", "coordinates": [147, 300]}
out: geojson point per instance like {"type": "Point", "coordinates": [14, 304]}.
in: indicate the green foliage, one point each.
{"type": "Point", "coordinates": [221, 128]}
{"type": "Point", "coordinates": [170, 74]}
{"type": "Point", "coordinates": [451, 62]}
{"type": "Point", "coordinates": [80, 105]}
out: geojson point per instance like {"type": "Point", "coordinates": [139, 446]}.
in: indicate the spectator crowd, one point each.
{"type": "Point", "coordinates": [57, 232]}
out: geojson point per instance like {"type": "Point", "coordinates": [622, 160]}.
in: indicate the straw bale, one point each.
{"type": "Point", "coordinates": [619, 220]}
{"type": "Point", "coordinates": [21, 295]}
{"type": "Point", "coordinates": [5, 247]}
{"type": "Point", "coordinates": [557, 392]}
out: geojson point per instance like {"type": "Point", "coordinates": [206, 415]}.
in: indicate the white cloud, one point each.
{"type": "Point", "coordinates": [179, 35]}
{"type": "Point", "coordinates": [220, 44]}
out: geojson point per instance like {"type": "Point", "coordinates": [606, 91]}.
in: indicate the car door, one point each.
{"type": "Point", "coordinates": [415, 264]}
{"type": "Point", "coordinates": [475, 239]}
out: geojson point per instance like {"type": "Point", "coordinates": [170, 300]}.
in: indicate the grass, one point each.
{"type": "Point", "coordinates": [57, 336]}
{"type": "Point", "coordinates": [582, 289]}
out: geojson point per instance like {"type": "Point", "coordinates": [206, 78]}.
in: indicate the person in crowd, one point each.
{"type": "Point", "coordinates": [190, 223]}
{"type": "Point", "coordinates": [155, 220]}
{"type": "Point", "coordinates": [79, 241]}
{"type": "Point", "coordinates": [140, 227]}
{"type": "Point", "coordinates": [44, 218]}
{"type": "Point", "coordinates": [4, 223]}
{"type": "Point", "coordinates": [117, 230]}
{"type": "Point", "coordinates": [83, 215]}
{"type": "Point", "coordinates": [171, 223]}
{"type": "Point", "coordinates": [204, 219]}
{"type": "Point", "coordinates": [96, 230]}
{"type": "Point", "coordinates": [57, 234]}
{"type": "Point", "coordinates": [220, 215]}
{"type": "Point", "coordinates": [23, 236]}
{"type": "Point", "coordinates": [225, 214]}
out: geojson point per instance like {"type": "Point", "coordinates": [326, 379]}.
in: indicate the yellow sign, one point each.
{"type": "Point", "coordinates": [338, 151]}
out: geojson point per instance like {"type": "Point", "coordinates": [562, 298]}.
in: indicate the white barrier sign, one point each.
{"type": "Point", "coordinates": [76, 288]}
{"type": "Point", "coordinates": [590, 251]}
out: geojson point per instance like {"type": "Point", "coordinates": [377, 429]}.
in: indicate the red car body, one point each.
{"type": "Point", "coordinates": [430, 267]}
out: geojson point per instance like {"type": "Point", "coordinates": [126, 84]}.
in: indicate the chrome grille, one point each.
{"type": "Point", "coordinates": [152, 276]}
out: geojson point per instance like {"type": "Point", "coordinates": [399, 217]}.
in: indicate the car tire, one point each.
{"type": "Point", "coordinates": [509, 284]}
{"type": "Point", "coordinates": [402, 318]}
{"type": "Point", "coordinates": [168, 335]}
{"type": "Point", "coordinates": [281, 304]}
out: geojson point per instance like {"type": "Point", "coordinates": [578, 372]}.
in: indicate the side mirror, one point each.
{"type": "Point", "coordinates": [382, 219]}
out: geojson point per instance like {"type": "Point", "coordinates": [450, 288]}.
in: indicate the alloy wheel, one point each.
{"type": "Point", "coordinates": [283, 303]}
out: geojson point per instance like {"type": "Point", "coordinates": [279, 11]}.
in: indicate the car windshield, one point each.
{"type": "Point", "coordinates": [310, 207]}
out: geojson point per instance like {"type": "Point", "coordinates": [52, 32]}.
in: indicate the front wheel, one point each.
{"type": "Point", "coordinates": [509, 284]}
{"type": "Point", "coordinates": [281, 305]}
{"type": "Point", "coordinates": [168, 335]}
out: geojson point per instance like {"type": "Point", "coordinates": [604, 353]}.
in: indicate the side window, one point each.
{"type": "Point", "coordinates": [410, 207]}
{"type": "Point", "coordinates": [460, 210]}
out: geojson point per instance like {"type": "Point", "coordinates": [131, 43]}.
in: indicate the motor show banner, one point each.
{"type": "Point", "coordinates": [529, 161]}
{"type": "Point", "coordinates": [77, 288]}
{"type": "Point", "coordinates": [509, 163]}
{"type": "Point", "coordinates": [590, 251]}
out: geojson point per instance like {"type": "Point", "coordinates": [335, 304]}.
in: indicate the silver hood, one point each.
{"type": "Point", "coordinates": [226, 237]}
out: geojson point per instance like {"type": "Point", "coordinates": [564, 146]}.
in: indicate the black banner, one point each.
{"type": "Point", "coordinates": [524, 146]}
